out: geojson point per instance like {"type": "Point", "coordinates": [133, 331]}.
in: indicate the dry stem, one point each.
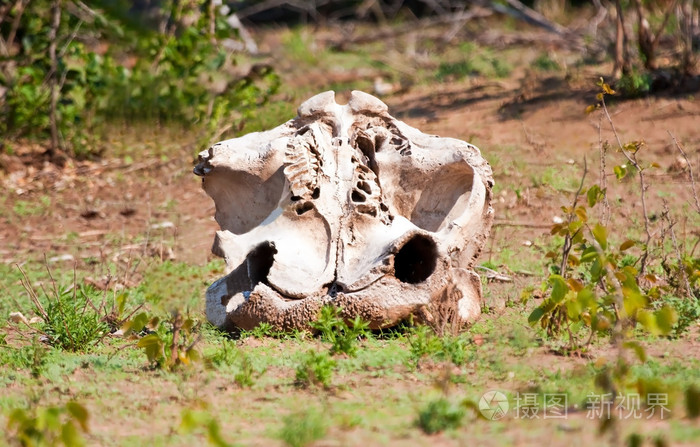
{"type": "Point", "coordinates": [690, 172]}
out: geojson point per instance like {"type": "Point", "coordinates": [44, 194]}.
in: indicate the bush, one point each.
{"type": "Point", "coordinates": [316, 368]}
{"type": "Point", "coordinates": [49, 426]}
{"type": "Point", "coordinates": [440, 415]}
{"type": "Point", "coordinates": [32, 357]}
{"type": "Point", "coordinates": [170, 343]}
{"type": "Point", "coordinates": [71, 320]}
{"type": "Point", "coordinates": [303, 428]}
{"type": "Point", "coordinates": [342, 335]}
{"type": "Point", "coordinates": [67, 97]}
{"type": "Point", "coordinates": [424, 343]}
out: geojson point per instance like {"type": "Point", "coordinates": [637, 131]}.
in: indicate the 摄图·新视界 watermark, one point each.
{"type": "Point", "coordinates": [495, 405]}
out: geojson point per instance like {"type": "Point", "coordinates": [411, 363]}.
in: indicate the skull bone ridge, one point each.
{"type": "Point", "coordinates": [344, 205]}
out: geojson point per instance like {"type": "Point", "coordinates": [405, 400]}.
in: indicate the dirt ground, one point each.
{"type": "Point", "coordinates": [141, 202]}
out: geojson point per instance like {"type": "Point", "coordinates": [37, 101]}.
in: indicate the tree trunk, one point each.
{"type": "Point", "coordinates": [686, 27]}
{"type": "Point", "coordinates": [645, 39]}
{"type": "Point", "coordinates": [622, 63]}
{"type": "Point", "coordinates": [53, 78]}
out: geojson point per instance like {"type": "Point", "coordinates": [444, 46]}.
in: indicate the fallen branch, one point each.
{"type": "Point", "coordinates": [521, 12]}
{"type": "Point", "coordinates": [690, 172]}
{"type": "Point", "coordinates": [393, 32]}
{"type": "Point", "coordinates": [494, 275]}
{"type": "Point", "coordinates": [521, 224]}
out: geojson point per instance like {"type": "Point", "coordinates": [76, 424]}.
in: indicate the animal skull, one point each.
{"type": "Point", "coordinates": [344, 205]}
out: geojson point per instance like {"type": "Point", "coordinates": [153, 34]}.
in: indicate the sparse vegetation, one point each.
{"type": "Point", "coordinates": [49, 426]}
{"type": "Point", "coordinates": [170, 343]}
{"type": "Point", "coordinates": [342, 335]}
{"type": "Point", "coordinates": [440, 415]}
{"type": "Point", "coordinates": [315, 369]}
{"type": "Point", "coordinates": [301, 428]}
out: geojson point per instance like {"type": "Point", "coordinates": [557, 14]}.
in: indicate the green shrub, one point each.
{"type": "Point", "coordinates": [71, 320]}
{"type": "Point", "coordinates": [32, 357]}
{"type": "Point", "coordinates": [49, 426]}
{"type": "Point", "coordinates": [170, 343]}
{"type": "Point", "coordinates": [262, 330]}
{"type": "Point", "coordinates": [424, 343]}
{"type": "Point", "coordinates": [634, 84]}
{"type": "Point", "coordinates": [477, 62]}
{"type": "Point", "coordinates": [440, 415]}
{"type": "Point", "coordinates": [226, 355]}
{"type": "Point", "coordinates": [316, 368]}
{"type": "Point", "coordinates": [195, 420]}
{"type": "Point", "coordinates": [172, 77]}
{"type": "Point", "coordinates": [247, 374]}
{"type": "Point", "coordinates": [342, 336]}
{"type": "Point", "coordinates": [686, 308]}
{"type": "Point", "coordinates": [302, 428]}
{"type": "Point", "coordinates": [544, 62]}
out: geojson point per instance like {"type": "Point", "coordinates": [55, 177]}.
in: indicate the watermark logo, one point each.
{"type": "Point", "coordinates": [493, 405]}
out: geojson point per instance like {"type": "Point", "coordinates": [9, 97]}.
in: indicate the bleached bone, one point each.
{"type": "Point", "coordinates": [344, 204]}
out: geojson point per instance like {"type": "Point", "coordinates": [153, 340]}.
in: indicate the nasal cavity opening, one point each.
{"type": "Point", "coordinates": [416, 260]}
{"type": "Point", "coordinates": [260, 261]}
{"type": "Point", "coordinates": [304, 207]}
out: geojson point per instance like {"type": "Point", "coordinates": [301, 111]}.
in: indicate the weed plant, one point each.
{"type": "Point", "coordinates": [49, 426]}
{"type": "Point", "coordinates": [315, 369]}
{"type": "Point", "coordinates": [303, 428]}
{"type": "Point", "coordinates": [440, 415]}
{"type": "Point", "coordinates": [342, 335]}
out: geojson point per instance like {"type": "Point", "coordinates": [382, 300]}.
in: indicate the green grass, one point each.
{"type": "Point", "coordinates": [474, 61]}
{"type": "Point", "coordinates": [402, 372]}
{"type": "Point", "coordinates": [261, 373]}
{"type": "Point", "coordinates": [544, 62]}
{"type": "Point", "coordinates": [301, 428]}
{"type": "Point", "coordinates": [36, 207]}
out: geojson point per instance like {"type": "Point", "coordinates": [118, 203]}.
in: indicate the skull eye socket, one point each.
{"type": "Point", "coordinates": [260, 262]}
{"type": "Point", "coordinates": [416, 260]}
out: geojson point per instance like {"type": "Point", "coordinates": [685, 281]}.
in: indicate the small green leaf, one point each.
{"type": "Point", "coordinates": [620, 171]}
{"type": "Point", "coordinates": [188, 325]}
{"type": "Point", "coordinates": [70, 435]}
{"type": "Point", "coordinates": [214, 434]}
{"type": "Point", "coordinates": [581, 213]}
{"type": "Point", "coordinates": [629, 243]}
{"type": "Point", "coordinates": [121, 302]}
{"type": "Point", "coordinates": [593, 195]}
{"type": "Point", "coordinates": [136, 324]}
{"type": "Point", "coordinates": [535, 316]}
{"type": "Point", "coordinates": [589, 255]}
{"type": "Point", "coordinates": [573, 310]}
{"type": "Point", "coordinates": [692, 401]}
{"type": "Point", "coordinates": [665, 319]}
{"type": "Point", "coordinates": [638, 350]}
{"type": "Point", "coordinates": [633, 300]}
{"type": "Point", "coordinates": [153, 346]}
{"type": "Point", "coordinates": [79, 413]}
{"type": "Point", "coordinates": [601, 235]}
{"type": "Point", "coordinates": [648, 321]}
{"type": "Point", "coordinates": [559, 288]}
